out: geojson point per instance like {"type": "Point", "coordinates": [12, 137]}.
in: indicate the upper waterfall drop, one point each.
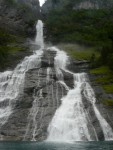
{"type": "Point", "coordinates": [39, 40]}
{"type": "Point", "coordinates": [12, 83]}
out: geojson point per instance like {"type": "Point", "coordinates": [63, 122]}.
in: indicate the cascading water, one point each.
{"type": "Point", "coordinates": [90, 95]}
{"type": "Point", "coordinates": [60, 63]}
{"type": "Point", "coordinates": [70, 122]}
{"type": "Point", "coordinates": [32, 123]}
{"type": "Point", "coordinates": [12, 82]}
{"type": "Point", "coordinates": [39, 40]}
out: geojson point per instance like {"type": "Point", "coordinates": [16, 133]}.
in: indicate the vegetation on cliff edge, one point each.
{"type": "Point", "coordinates": [92, 27]}
{"type": "Point", "coordinates": [9, 45]}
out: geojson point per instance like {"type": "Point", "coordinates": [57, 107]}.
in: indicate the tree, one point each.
{"type": "Point", "coordinates": [54, 3]}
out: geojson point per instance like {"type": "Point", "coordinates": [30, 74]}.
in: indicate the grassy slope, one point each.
{"type": "Point", "coordinates": [9, 45]}
{"type": "Point", "coordinates": [105, 79]}
{"type": "Point", "coordinates": [80, 52]}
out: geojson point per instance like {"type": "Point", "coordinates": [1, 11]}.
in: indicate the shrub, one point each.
{"type": "Point", "coordinates": [110, 61]}
{"type": "Point", "coordinates": [108, 102]}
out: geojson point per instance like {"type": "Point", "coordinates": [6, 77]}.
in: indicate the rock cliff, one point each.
{"type": "Point", "coordinates": [19, 16]}
{"type": "Point", "coordinates": [36, 106]}
{"type": "Point", "coordinates": [76, 4]}
{"type": "Point", "coordinates": [17, 23]}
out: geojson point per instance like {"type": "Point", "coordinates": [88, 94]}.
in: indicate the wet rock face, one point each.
{"type": "Point", "coordinates": [94, 125]}
{"type": "Point", "coordinates": [78, 66]}
{"type": "Point", "coordinates": [76, 5]}
{"type": "Point", "coordinates": [101, 95]}
{"type": "Point", "coordinates": [19, 16]}
{"type": "Point", "coordinates": [34, 109]}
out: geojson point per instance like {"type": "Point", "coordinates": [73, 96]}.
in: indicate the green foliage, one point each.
{"type": "Point", "coordinates": [10, 2]}
{"type": "Point", "coordinates": [83, 26]}
{"type": "Point", "coordinates": [23, 7]}
{"type": "Point", "coordinates": [31, 22]}
{"type": "Point", "coordinates": [3, 53]}
{"type": "Point", "coordinates": [104, 70]}
{"type": "Point", "coordinates": [108, 88]}
{"type": "Point", "coordinates": [107, 55]}
{"type": "Point", "coordinates": [110, 61]}
{"type": "Point", "coordinates": [82, 55]}
{"type": "Point", "coordinates": [15, 49]}
{"type": "Point", "coordinates": [80, 52]}
{"type": "Point", "coordinates": [88, 27]}
{"type": "Point", "coordinates": [105, 75]}
{"type": "Point", "coordinates": [9, 44]}
{"type": "Point", "coordinates": [55, 1]}
{"type": "Point", "coordinates": [108, 102]}
{"type": "Point", "coordinates": [104, 78]}
{"type": "Point", "coordinates": [5, 37]}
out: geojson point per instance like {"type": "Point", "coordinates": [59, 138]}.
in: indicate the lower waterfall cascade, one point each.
{"type": "Point", "coordinates": [68, 120]}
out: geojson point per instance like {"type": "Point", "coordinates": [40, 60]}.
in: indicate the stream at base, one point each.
{"type": "Point", "coordinates": [56, 146]}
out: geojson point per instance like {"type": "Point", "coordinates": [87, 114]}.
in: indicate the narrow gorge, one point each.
{"type": "Point", "coordinates": [46, 98]}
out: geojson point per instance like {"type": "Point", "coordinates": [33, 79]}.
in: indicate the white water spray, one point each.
{"type": "Point", "coordinates": [70, 122]}
{"type": "Point", "coordinates": [39, 40]}
{"type": "Point", "coordinates": [32, 123]}
{"type": "Point", "coordinates": [12, 82]}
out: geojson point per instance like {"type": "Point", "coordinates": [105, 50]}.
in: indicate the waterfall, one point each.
{"type": "Point", "coordinates": [60, 62]}
{"type": "Point", "coordinates": [39, 40]}
{"type": "Point", "coordinates": [12, 82]}
{"type": "Point", "coordinates": [32, 123]}
{"type": "Point", "coordinates": [70, 122]}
